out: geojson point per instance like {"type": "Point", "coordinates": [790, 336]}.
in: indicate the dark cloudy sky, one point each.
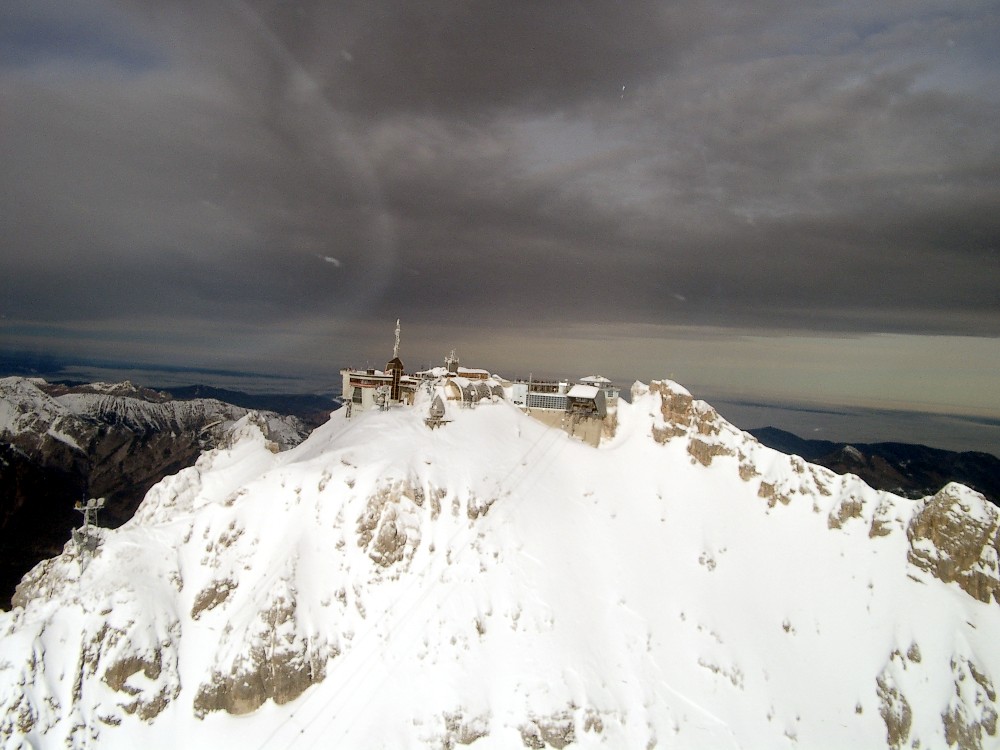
{"type": "Point", "coordinates": [778, 200]}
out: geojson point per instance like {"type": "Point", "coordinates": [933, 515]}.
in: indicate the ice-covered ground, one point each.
{"type": "Point", "coordinates": [494, 583]}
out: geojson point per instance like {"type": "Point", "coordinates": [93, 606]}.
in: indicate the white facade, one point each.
{"type": "Point", "coordinates": [364, 389]}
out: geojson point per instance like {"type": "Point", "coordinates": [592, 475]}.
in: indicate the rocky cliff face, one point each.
{"type": "Point", "coordinates": [60, 444]}
{"type": "Point", "coordinates": [956, 538]}
{"type": "Point", "coordinates": [494, 583]}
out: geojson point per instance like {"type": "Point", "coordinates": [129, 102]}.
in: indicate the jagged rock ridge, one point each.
{"type": "Point", "coordinates": [494, 583]}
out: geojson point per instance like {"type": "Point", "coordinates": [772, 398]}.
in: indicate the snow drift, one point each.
{"type": "Point", "coordinates": [495, 583]}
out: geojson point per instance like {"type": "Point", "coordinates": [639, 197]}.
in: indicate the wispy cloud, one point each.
{"type": "Point", "coordinates": [778, 167]}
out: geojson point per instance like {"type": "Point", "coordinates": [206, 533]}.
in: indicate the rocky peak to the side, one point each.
{"type": "Point", "coordinates": [707, 436]}
{"type": "Point", "coordinates": [850, 455]}
{"type": "Point", "coordinates": [955, 536]}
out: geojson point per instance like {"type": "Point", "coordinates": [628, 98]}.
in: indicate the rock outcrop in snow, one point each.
{"type": "Point", "coordinates": [955, 536]}
{"type": "Point", "coordinates": [495, 583]}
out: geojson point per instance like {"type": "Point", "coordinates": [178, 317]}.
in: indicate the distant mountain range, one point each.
{"type": "Point", "coordinates": [901, 468]}
{"type": "Point", "coordinates": [64, 442]}
{"type": "Point", "coordinates": [311, 408]}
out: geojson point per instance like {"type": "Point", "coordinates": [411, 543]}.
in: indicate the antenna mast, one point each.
{"type": "Point", "coordinates": [395, 349]}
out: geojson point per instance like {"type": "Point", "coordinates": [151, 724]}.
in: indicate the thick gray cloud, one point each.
{"type": "Point", "coordinates": [774, 166]}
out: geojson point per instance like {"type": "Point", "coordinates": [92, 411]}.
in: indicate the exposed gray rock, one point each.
{"type": "Point", "coordinates": [954, 536]}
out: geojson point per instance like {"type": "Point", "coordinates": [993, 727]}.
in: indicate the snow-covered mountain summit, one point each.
{"type": "Point", "coordinates": [495, 583]}
{"type": "Point", "coordinates": [32, 411]}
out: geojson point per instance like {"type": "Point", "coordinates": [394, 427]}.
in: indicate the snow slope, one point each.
{"type": "Point", "coordinates": [494, 583]}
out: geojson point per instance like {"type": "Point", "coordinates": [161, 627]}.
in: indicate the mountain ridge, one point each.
{"type": "Point", "coordinates": [909, 469]}
{"type": "Point", "coordinates": [493, 582]}
{"type": "Point", "coordinates": [60, 444]}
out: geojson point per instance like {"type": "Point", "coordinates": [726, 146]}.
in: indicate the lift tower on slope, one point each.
{"type": "Point", "coordinates": [86, 542]}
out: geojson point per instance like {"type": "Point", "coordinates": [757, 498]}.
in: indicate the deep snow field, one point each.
{"type": "Point", "coordinates": [495, 583]}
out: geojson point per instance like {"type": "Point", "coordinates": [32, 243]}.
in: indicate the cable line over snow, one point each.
{"type": "Point", "coordinates": [363, 652]}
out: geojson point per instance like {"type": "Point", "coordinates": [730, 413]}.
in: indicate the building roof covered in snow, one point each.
{"type": "Point", "coordinates": [583, 391]}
